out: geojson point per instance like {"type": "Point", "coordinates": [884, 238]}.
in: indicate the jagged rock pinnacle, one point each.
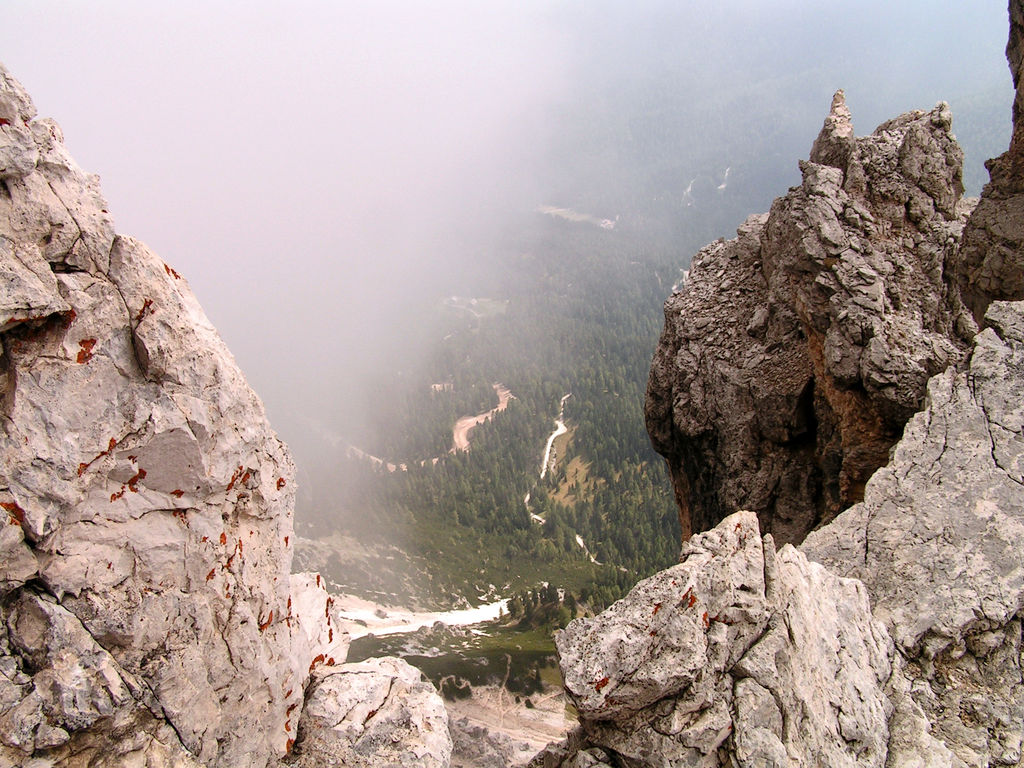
{"type": "Point", "coordinates": [835, 142]}
{"type": "Point", "coordinates": [794, 355]}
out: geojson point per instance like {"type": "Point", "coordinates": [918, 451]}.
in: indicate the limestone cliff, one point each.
{"type": "Point", "coordinates": [831, 330]}
{"type": "Point", "coordinates": [148, 615]}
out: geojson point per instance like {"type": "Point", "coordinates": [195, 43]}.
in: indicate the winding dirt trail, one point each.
{"type": "Point", "coordinates": [560, 429]}
{"type": "Point", "coordinates": [460, 434]}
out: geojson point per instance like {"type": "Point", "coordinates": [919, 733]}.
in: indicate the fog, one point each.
{"type": "Point", "coordinates": [323, 172]}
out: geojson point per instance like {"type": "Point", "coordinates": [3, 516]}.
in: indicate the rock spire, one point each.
{"type": "Point", "coordinates": [795, 353]}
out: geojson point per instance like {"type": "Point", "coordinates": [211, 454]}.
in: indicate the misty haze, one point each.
{"type": "Point", "coordinates": [438, 238]}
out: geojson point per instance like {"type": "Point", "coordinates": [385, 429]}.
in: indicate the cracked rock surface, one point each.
{"type": "Point", "coordinates": [794, 354]}
{"type": "Point", "coordinates": [376, 714]}
{"type": "Point", "coordinates": [147, 613]}
{"type": "Point", "coordinates": [937, 541]}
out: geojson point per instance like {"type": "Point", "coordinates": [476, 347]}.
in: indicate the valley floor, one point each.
{"type": "Point", "coordinates": [530, 729]}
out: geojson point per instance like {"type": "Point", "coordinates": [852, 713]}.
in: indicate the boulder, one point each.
{"type": "Point", "coordinates": [377, 713]}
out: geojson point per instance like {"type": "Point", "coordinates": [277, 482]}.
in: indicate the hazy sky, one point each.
{"type": "Point", "coordinates": [310, 166]}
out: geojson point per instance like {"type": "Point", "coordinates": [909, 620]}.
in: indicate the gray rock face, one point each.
{"type": "Point", "coordinates": [376, 714]}
{"type": "Point", "coordinates": [990, 266]}
{"type": "Point", "coordinates": [795, 353]}
{"type": "Point", "coordinates": [737, 656]}
{"type": "Point", "coordinates": [147, 609]}
{"type": "Point", "coordinates": [937, 541]}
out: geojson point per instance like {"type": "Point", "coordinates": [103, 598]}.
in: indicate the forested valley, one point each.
{"type": "Point", "coordinates": [576, 311]}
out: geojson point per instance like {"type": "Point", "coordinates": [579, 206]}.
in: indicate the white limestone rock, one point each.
{"type": "Point", "coordinates": [374, 714]}
{"type": "Point", "coordinates": [145, 497]}
{"type": "Point", "coordinates": [674, 631]}
{"type": "Point", "coordinates": [61, 694]}
{"type": "Point", "coordinates": [318, 639]}
{"type": "Point", "coordinates": [18, 152]}
{"type": "Point", "coordinates": [736, 656]}
{"type": "Point", "coordinates": [29, 288]}
{"type": "Point", "coordinates": [937, 542]}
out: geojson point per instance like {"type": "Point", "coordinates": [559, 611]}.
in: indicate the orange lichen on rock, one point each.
{"type": "Point", "coordinates": [235, 476]}
{"type": "Point", "coordinates": [110, 447]}
{"type": "Point", "coordinates": [85, 353]}
{"type": "Point", "coordinates": [146, 306]}
{"type": "Point", "coordinates": [133, 481]}
{"type": "Point", "coordinates": [16, 512]}
{"type": "Point", "coordinates": [689, 599]}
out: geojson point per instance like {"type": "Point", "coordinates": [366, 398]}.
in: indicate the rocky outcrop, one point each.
{"type": "Point", "coordinates": [741, 655]}
{"type": "Point", "coordinates": [937, 543]}
{"type": "Point", "coordinates": [789, 364]}
{"type": "Point", "coordinates": [990, 266]}
{"type": "Point", "coordinates": [376, 714]}
{"type": "Point", "coordinates": [795, 353]}
{"type": "Point", "coordinates": [147, 611]}
{"type": "Point", "coordinates": [736, 654]}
